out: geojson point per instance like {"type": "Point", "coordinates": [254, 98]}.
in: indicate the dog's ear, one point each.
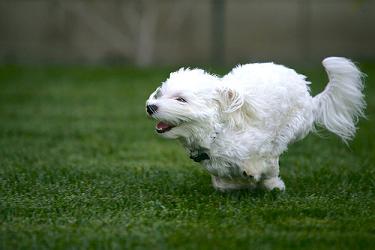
{"type": "Point", "coordinates": [229, 99]}
{"type": "Point", "coordinates": [236, 111]}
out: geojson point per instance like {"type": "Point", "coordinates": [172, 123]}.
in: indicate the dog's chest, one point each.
{"type": "Point", "coordinates": [222, 167]}
{"type": "Point", "coordinates": [217, 153]}
{"type": "Point", "coordinates": [215, 165]}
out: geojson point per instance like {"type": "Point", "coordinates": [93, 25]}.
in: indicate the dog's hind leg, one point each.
{"type": "Point", "coordinates": [271, 179]}
{"type": "Point", "coordinates": [274, 183]}
{"type": "Point", "coordinates": [264, 170]}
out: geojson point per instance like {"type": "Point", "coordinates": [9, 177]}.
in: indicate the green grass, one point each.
{"type": "Point", "coordinates": [81, 167]}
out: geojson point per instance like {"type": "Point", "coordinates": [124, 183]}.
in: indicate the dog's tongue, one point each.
{"type": "Point", "coordinates": [162, 125]}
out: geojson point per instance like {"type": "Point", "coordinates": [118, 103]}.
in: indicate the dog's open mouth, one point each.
{"type": "Point", "coordinates": [163, 127]}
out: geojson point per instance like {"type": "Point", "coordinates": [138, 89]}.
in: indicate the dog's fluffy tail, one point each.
{"type": "Point", "coordinates": [340, 105]}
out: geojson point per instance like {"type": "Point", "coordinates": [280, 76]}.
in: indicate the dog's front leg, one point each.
{"type": "Point", "coordinates": [227, 184]}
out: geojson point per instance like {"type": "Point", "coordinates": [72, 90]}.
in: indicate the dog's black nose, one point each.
{"type": "Point", "coordinates": [151, 109]}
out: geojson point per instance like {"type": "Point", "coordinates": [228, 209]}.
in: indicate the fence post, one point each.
{"type": "Point", "coordinates": [218, 32]}
{"type": "Point", "coordinates": [304, 30]}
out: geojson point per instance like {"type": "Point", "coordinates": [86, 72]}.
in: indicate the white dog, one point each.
{"type": "Point", "coordinates": [237, 126]}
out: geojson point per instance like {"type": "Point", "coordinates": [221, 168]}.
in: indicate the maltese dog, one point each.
{"type": "Point", "coordinates": [237, 126]}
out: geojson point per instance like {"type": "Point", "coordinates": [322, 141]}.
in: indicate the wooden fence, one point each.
{"type": "Point", "coordinates": [169, 32]}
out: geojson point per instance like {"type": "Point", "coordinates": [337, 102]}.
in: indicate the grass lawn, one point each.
{"type": "Point", "coordinates": [81, 167]}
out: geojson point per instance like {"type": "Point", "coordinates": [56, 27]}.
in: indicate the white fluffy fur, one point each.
{"type": "Point", "coordinates": [338, 107]}
{"type": "Point", "coordinates": [247, 118]}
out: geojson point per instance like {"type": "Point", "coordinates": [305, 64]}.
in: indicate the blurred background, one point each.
{"type": "Point", "coordinates": [184, 32]}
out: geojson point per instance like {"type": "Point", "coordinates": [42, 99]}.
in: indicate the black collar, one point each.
{"type": "Point", "coordinates": [201, 156]}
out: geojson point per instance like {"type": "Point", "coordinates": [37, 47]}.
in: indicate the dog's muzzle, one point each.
{"type": "Point", "coordinates": [151, 109]}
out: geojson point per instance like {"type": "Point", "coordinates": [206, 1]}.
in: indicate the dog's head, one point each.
{"type": "Point", "coordinates": [189, 101]}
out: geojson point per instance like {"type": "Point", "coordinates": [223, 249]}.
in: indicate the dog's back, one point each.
{"type": "Point", "coordinates": [280, 100]}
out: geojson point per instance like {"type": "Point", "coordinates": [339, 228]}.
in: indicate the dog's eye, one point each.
{"type": "Point", "coordinates": [180, 99]}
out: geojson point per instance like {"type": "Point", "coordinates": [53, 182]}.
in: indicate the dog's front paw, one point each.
{"type": "Point", "coordinates": [274, 183]}
{"type": "Point", "coordinates": [229, 184]}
